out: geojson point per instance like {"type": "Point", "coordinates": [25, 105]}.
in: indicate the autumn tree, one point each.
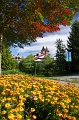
{"type": "Point", "coordinates": [21, 21]}
{"type": "Point", "coordinates": [73, 46]}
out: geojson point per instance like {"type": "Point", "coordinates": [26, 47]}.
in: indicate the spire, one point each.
{"type": "Point", "coordinates": [43, 48]}
{"type": "Point", "coordinates": [47, 49]}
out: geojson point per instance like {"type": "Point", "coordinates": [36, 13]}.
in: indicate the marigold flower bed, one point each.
{"type": "Point", "coordinates": [30, 98]}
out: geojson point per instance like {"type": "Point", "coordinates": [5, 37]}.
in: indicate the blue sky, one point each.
{"type": "Point", "coordinates": [48, 41]}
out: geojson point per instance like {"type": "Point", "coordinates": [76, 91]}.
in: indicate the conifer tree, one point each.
{"type": "Point", "coordinates": [73, 46]}
{"type": "Point", "coordinates": [60, 57]}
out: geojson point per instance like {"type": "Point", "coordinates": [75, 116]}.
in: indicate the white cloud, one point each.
{"type": "Point", "coordinates": [48, 41]}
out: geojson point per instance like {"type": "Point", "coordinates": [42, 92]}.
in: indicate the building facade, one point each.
{"type": "Point", "coordinates": [40, 56]}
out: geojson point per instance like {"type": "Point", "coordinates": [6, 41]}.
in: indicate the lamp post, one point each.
{"type": "Point", "coordinates": [36, 65]}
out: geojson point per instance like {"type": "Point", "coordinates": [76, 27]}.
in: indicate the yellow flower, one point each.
{"type": "Point", "coordinates": [21, 103]}
{"type": "Point", "coordinates": [35, 98]}
{"type": "Point", "coordinates": [65, 111]}
{"type": "Point", "coordinates": [73, 118]}
{"type": "Point", "coordinates": [26, 95]}
{"type": "Point", "coordinates": [34, 116]}
{"type": "Point", "coordinates": [8, 99]}
{"type": "Point", "coordinates": [21, 109]}
{"type": "Point", "coordinates": [11, 116]}
{"type": "Point", "coordinates": [7, 105]}
{"type": "Point", "coordinates": [3, 100]}
{"type": "Point", "coordinates": [3, 112]}
{"type": "Point", "coordinates": [60, 114]}
{"type": "Point", "coordinates": [32, 109]}
{"type": "Point", "coordinates": [19, 117]}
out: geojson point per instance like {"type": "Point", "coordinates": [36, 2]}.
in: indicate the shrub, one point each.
{"type": "Point", "coordinates": [8, 63]}
{"type": "Point", "coordinates": [14, 71]}
{"type": "Point", "coordinates": [27, 65]}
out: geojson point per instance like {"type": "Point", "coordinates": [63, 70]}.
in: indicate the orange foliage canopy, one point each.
{"type": "Point", "coordinates": [32, 18]}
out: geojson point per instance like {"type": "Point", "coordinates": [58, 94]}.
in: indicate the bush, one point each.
{"type": "Point", "coordinates": [27, 65]}
{"type": "Point", "coordinates": [8, 63]}
{"type": "Point", "coordinates": [14, 71]}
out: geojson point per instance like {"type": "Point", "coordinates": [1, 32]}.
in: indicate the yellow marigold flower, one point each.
{"type": "Point", "coordinates": [3, 100]}
{"type": "Point", "coordinates": [32, 109]}
{"type": "Point", "coordinates": [73, 118]}
{"type": "Point", "coordinates": [21, 104]}
{"type": "Point", "coordinates": [60, 114]}
{"type": "Point", "coordinates": [21, 109]}
{"type": "Point", "coordinates": [26, 95]}
{"type": "Point", "coordinates": [8, 99]}
{"type": "Point", "coordinates": [49, 96]}
{"type": "Point", "coordinates": [34, 116]}
{"type": "Point", "coordinates": [13, 99]}
{"type": "Point", "coordinates": [11, 116]}
{"type": "Point", "coordinates": [3, 93]}
{"type": "Point", "coordinates": [7, 105]}
{"type": "Point", "coordinates": [35, 98]}
{"type": "Point", "coordinates": [52, 103]}
{"type": "Point", "coordinates": [65, 111]}
{"type": "Point", "coordinates": [21, 97]}
{"type": "Point", "coordinates": [69, 117]}
{"type": "Point", "coordinates": [19, 117]}
{"type": "Point", "coordinates": [3, 112]}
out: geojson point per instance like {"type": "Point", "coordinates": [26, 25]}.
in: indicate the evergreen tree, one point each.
{"type": "Point", "coordinates": [73, 46]}
{"type": "Point", "coordinates": [8, 62]}
{"type": "Point", "coordinates": [60, 57]}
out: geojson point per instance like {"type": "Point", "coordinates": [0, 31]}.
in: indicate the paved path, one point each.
{"type": "Point", "coordinates": [67, 79]}
{"type": "Point", "coordinates": [63, 82]}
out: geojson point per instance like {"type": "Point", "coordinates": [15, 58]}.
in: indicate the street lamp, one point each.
{"type": "Point", "coordinates": [38, 60]}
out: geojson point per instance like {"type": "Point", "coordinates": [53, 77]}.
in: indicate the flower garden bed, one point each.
{"type": "Point", "coordinates": [31, 98]}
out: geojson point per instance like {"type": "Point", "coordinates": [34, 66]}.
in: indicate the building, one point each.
{"type": "Point", "coordinates": [40, 56]}
{"type": "Point", "coordinates": [17, 57]}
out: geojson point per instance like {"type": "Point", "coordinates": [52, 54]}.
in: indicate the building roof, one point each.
{"type": "Point", "coordinates": [43, 53]}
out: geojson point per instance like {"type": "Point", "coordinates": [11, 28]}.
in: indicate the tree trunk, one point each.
{"type": "Point", "coordinates": [1, 38]}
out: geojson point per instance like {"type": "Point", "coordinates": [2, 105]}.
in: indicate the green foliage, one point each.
{"type": "Point", "coordinates": [73, 46]}
{"type": "Point", "coordinates": [8, 62]}
{"type": "Point", "coordinates": [27, 65]}
{"type": "Point", "coordinates": [43, 110]}
{"type": "Point", "coordinates": [39, 68]}
{"type": "Point", "coordinates": [14, 71]}
{"type": "Point", "coordinates": [47, 65]}
{"type": "Point", "coordinates": [60, 57]}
